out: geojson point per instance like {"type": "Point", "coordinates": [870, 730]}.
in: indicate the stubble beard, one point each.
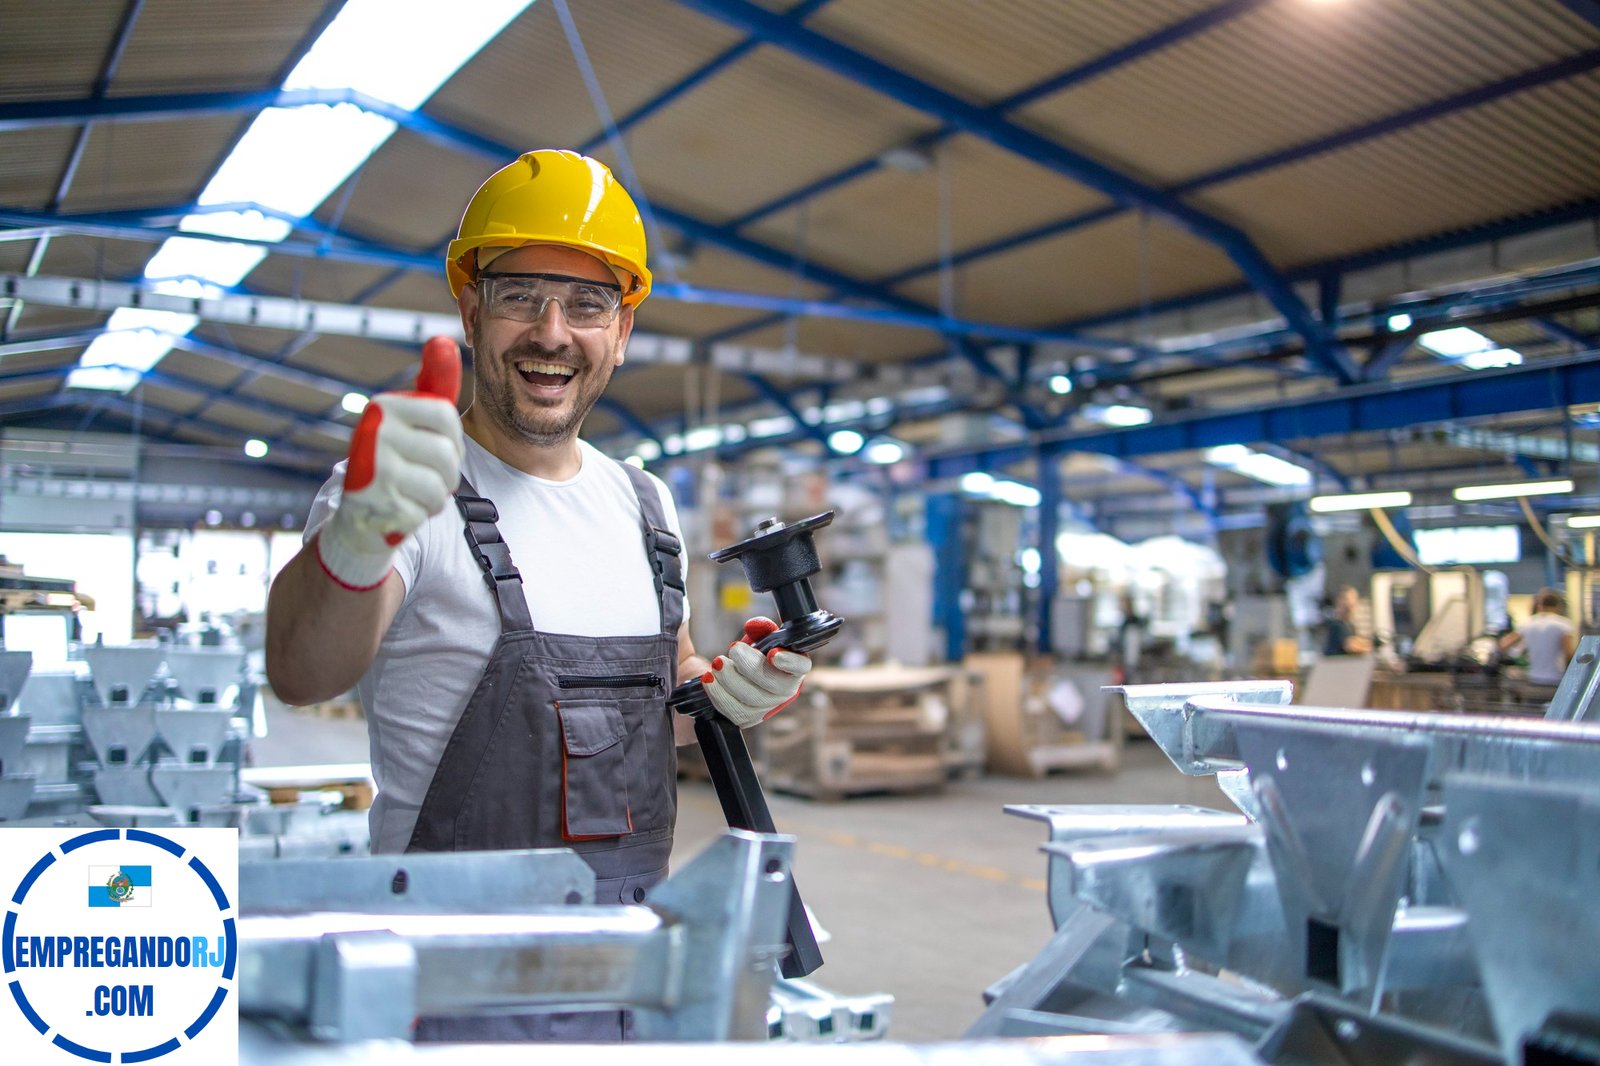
{"type": "Point", "coordinates": [499, 393]}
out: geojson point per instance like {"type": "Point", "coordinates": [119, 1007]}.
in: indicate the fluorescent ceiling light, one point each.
{"type": "Point", "coordinates": [634, 460]}
{"type": "Point", "coordinates": [1060, 384]}
{"type": "Point", "coordinates": [1016, 493]}
{"type": "Point", "coordinates": [290, 159]}
{"type": "Point", "coordinates": [846, 441]}
{"type": "Point", "coordinates": [702, 437]}
{"type": "Point", "coordinates": [354, 402]}
{"type": "Point", "coordinates": [977, 482]}
{"type": "Point", "coordinates": [1492, 359]}
{"type": "Point", "coordinates": [1469, 348]}
{"type": "Point", "coordinates": [885, 452]}
{"type": "Point", "coordinates": [771, 427]}
{"type": "Point", "coordinates": [1512, 489]}
{"type": "Point", "coordinates": [648, 450]}
{"type": "Point", "coordinates": [255, 448]}
{"type": "Point", "coordinates": [1359, 501]}
{"type": "Point", "coordinates": [1268, 469]}
{"type": "Point", "coordinates": [1117, 414]}
{"type": "Point", "coordinates": [1399, 322]}
{"type": "Point", "coordinates": [1584, 521]}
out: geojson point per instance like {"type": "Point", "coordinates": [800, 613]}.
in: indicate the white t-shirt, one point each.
{"type": "Point", "coordinates": [579, 547]}
{"type": "Point", "coordinates": [1545, 636]}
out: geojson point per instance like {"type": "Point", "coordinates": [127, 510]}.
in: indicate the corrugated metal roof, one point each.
{"type": "Point", "coordinates": [1147, 95]}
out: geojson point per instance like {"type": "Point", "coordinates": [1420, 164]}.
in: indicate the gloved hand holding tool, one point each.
{"type": "Point", "coordinates": [405, 461]}
{"type": "Point", "coordinates": [758, 677]}
{"type": "Point", "coordinates": [747, 686]}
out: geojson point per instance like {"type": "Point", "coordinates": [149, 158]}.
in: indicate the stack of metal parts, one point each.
{"type": "Point", "coordinates": [137, 735]}
{"type": "Point", "coordinates": [1396, 887]}
{"type": "Point", "coordinates": [356, 949]}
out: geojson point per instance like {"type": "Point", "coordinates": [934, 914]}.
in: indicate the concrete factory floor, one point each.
{"type": "Point", "coordinates": [928, 897]}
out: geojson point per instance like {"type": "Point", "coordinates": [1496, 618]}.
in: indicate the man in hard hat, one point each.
{"type": "Point", "coordinates": [513, 652]}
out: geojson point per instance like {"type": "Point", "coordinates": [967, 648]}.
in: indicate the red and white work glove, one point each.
{"type": "Point", "coordinates": [405, 462]}
{"type": "Point", "coordinates": [749, 686]}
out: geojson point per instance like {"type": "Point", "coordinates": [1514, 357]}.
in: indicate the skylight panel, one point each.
{"type": "Point", "coordinates": [291, 159]}
{"type": "Point", "coordinates": [400, 51]}
{"type": "Point", "coordinates": [1469, 348]}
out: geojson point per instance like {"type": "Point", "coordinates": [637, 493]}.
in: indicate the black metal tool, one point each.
{"type": "Point", "coordinates": [779, 559]}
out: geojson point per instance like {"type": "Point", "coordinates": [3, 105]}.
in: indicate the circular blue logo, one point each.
{"type": "Point", "coordinates": [124, 933]}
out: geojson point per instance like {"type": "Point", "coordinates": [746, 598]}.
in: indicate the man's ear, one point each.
{"type": "Point", "coordinates": [467, 304]}
{"type": "Point", "coordinates": [624, 331]}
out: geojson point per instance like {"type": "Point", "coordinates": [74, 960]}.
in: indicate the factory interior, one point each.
{"type": "Point", "coordinates": [1170, 429]}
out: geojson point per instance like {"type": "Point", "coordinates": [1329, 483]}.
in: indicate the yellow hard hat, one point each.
{"type": "Point", "coordinates": [553, 197]}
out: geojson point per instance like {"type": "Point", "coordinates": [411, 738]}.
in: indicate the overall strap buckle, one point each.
{"type": "Point", "coordinates": [666, 566]}
{"type": "Point", "coordinates": [483, 537]}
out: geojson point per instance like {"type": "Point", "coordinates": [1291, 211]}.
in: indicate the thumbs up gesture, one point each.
{"type": "Point", "coordinates": [405, 462]}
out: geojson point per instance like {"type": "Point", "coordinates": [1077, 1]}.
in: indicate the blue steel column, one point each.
{"type": "Point", "coordinates": [949, 571]}
{"type": "Point", "coordinates": [1049, 525]}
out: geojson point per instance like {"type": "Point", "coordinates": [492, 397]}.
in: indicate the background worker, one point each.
{"type": "Point", "coordinates": [1549, 637]}
{"type": "Point", "coordinates": [513, 652]}
{"type": "Point", "coordinates": [1342, 638]}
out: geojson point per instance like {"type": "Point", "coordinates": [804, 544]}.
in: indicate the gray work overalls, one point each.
{"type": "Point", "coordinates": [566, 742]}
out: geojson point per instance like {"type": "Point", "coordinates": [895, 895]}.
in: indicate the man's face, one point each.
{"type": "Point", "coordinates": [522, 367]}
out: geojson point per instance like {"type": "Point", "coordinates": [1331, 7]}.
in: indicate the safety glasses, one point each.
{"type": "Point", "coordinates": [523, 297]}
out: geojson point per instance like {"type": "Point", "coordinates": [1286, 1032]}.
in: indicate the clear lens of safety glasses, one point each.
{"type": "Point", "coordinates": [522, 298]}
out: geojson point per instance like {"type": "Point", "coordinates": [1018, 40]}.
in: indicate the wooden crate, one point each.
{"type": "Point", "coordinates": [873, 729]}
{"type": "Point", "coordinates": [1026, 737]}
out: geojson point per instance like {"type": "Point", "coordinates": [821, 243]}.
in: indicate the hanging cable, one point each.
{"type": "Point", "coordinates": [1539, 531]}
{"type": "Point", "coordinates": [630, 178]}
{"type": "Point", "coordinates": [1396, 541]}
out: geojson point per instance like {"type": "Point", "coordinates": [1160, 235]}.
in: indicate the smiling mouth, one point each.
{"type": "Point", "coordinates": [548, 375]}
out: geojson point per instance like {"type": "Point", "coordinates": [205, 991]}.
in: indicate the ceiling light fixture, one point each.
{"type": "Point", "coordinates": [1359, 501]}
{"type": "Point", "coordinates": [1513, 489]}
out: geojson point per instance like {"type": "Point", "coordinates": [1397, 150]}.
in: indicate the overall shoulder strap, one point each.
{"type": "Point", "coordinates": [662, 548]}
{"type": "Point", "coordinates": [494, 558]}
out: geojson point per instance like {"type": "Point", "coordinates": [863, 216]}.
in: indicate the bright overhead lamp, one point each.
{"type": "Point", "coordinates": [354, 402]}
{"type": "Point", "coordinates": [1469, 348]}
{"type": "Point", "coordinates": [1060, 384]}
{"type": "Point", "coordinates": [1513, 489]}
{"type": "Point", "coordinates": [1398, 322]}
{"type": "Point", "coordinates": [885, 452]}
{"type": "Point", "coordinates": [1118, 414]}
{"type": "Point", "coordinates": [977, 482]}
{"type": "Point", "coordinates": [846, 441]}
{"type": "Point", "coordinates": [1260, 466]}
{"type": "Point", "coordinates": [1584, 521]}
{"type": "Point", "coordinates": [1359, 501]}
{"type": "Point", "coordinates": [255, 448]}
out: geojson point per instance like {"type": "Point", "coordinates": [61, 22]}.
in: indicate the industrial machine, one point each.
{"type": "Point", "coordinates": [1394, 887]}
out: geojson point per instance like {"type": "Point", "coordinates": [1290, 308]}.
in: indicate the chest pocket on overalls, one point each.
{"type": "Point", "coordinates": [595, 777]}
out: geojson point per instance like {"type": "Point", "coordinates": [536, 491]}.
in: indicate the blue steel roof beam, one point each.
{"type": "Point", "coordinates": [798, 13]}
{"type": "Point", "coordinates": [1564, 334]}
{"type": "Point", "coordinates": [1384, 357]}
{"type": "Point", "coordinates": [69, 172]}
{"type": "Point", "coordinates": [970, 118]}
{"type": "Point", "coordinates": [626, 415]}
{"type": "Point", "coordinates": [1174, 484]}
{"type": "Point", "coordinates": [1572, 66]}
{"type": "Point", "coordinates": [1529, 387]}
{"type": "Point", "coordinates": [1582, 211]}
{"type": "Point", "coordinates": [351, 250]}
{"type": "Point", "coordinates": [1588, 10]}
{"type": "Point", "coordinates": [805, 429]}
{"type": "Point", "coordinates": [30, 116]}
{"type": "Point", "coordinates": [298, 419]}
{"type": "Point", "coordinates": [1162, 38]}
{"type": "Point", "coordinates": [238, 359]}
